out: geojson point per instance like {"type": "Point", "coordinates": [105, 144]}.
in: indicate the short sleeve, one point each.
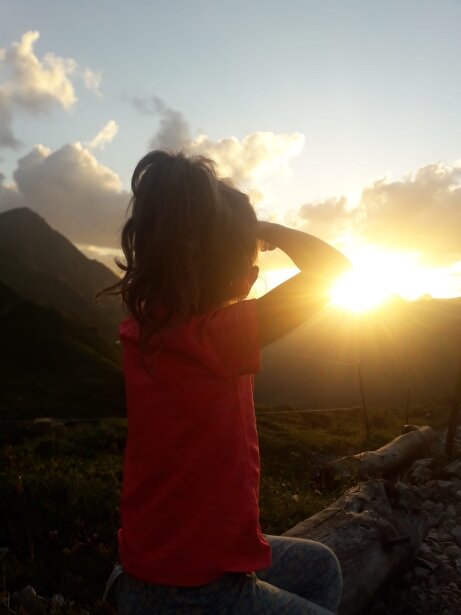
{"type": "Point", "coordinates": [233, 333]}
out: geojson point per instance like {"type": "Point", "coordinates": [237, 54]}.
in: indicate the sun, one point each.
{"type": "Point", "coordinates": [359, 291]}
{"type": "Point", "coordinates": [378, 275]}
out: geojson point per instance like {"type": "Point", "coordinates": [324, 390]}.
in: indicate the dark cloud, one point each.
{"type": "Point", "coordinates": [7, 138]}
{"type": "Point", "coordinates": [173, 132]}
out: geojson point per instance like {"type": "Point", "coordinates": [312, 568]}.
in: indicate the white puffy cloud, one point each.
{"type": "Point", "coordinates": [420, 213]}
{"type": "Point", "coordinates": [104, 136]}
{"type": "Point", "coordinates": [36, 85]}
{"type": "Point", "coordinates": [247, 162]}
{"type": "Point", "coordinates": [76, 194]}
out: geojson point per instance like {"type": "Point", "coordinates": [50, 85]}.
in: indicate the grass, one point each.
{"type": "Point", "coordinates": [59, 488]}
{"type": "Point", "coordinates": [296, 445]}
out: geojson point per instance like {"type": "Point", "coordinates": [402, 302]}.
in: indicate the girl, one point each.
{"type": "Point", "coordinates": [190, 540]}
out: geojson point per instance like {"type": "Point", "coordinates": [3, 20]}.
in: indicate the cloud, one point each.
{"type": "Point", "coordinates": [327, 218]}
{"type": "Point", "coordinates": [92, 80]}
{"type": "Point", "coordinates": [106, 256]}
{"type": "Point", "coordinates": [7, 138]}
{"type": "Point", "coordinates": [245, 161]}
{"type": "Point", "coordinates": [174, 129]}
{"type": "Point", "coordinates": [9, 196]}
{"type": "Point", "coordinates": [36, 85]}
{"type": "Point", "coordinates": [420, 213]}
{"type": "Point", "coordinates": [76, 194]}
{"type": "Point", "coordinates": [249, 160]}
{"type": "Point", "coordinates": [104, 136]}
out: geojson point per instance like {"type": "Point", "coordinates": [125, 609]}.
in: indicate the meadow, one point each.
{"type": "Point", "coordinates": [60, 482]}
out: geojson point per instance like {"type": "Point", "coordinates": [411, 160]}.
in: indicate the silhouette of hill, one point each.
{"type": "Point", "coordinates": [45, 267]}
{"type": "Point", "coordinates": [51, 366]}
{"type": "Point", "coordinates": [405, 343]}
{"type": "Point", "coordinates": [416, 344]}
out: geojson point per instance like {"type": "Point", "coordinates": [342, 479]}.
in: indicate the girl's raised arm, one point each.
{"type": "Point", "coordinates": [288, 305]}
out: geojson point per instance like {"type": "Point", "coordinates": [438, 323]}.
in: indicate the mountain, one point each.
{"type": "Point", "coordinates": [416, 344]}
{"type": "Point", "coordinates": [43, 266]}
{"type": "Point", "coordinates": [51, 366]}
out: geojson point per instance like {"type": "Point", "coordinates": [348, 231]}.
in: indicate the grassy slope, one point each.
{"type": "Point", "coordinates": [59, 488]}
{"type": "Point", "coordinates": [50, 366]}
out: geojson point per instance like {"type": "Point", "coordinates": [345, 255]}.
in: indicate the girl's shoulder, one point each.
{"type": "Point", "coordinates": [232, 333]}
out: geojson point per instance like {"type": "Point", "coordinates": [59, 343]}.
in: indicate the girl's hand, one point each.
{"type": "Point", "coordinates": [266, 236]}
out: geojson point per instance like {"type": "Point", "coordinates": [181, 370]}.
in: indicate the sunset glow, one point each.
{"type": "Point", "coordinates": [358, 292]}
{"type": "Point", "coordinates": [378, 274]}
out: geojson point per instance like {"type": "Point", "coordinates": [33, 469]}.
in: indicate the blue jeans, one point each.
{"type": "Point", "coordinates": [304, 579]}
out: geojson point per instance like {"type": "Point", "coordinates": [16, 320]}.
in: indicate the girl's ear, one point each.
{"type": "Point", "coordinates": [242, 286]}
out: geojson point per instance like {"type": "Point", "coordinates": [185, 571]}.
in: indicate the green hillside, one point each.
{"type": "Point", "coordinates": [60, 485]}
{"type": "Point", "coordinates": [50, 366]}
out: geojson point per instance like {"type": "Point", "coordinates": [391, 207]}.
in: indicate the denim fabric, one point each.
{"type": "Point", "coordinates": [304, 579]}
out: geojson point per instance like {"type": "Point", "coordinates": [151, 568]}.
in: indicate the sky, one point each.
{"type": "Point", "coordinates": [338, 118]}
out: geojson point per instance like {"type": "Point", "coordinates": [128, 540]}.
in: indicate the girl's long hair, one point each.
{"type": "Point", "coordinates": [188, 238]}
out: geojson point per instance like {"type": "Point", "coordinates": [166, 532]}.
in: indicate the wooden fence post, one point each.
{"type": "Point", "coordinates": [453, 422]}
{"type": "Point", "coordinates": [407, 411]}
{"type": "Point", "coordinates": [364, 404]}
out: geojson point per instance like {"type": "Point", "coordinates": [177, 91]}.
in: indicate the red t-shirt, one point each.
{"type": "Point", "coordinates": [190, 491]}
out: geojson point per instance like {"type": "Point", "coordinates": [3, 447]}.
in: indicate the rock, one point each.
{"type": "Point", "coordinates": [427, 563]}
{"type": "Point", "coordinates": [27, 602]}
{"type": "Point", "coordinates": [429, 506]}
{"type": "Point", "coordinates": [421, 572]}
{"type": "Point", "coordinates": [454, 469]}
{"type": "Point", "coordinates": [453, 551]}
{"type": "Point", "coordinates": [444, 487]}
{"type": "Point", "coordinates": [456, 533]}
{"type": "Point", "coordinates": [57, 603]}
{"type": "Point", "coordinates": [427, 553]}
{"type": "Point", "coordinates": [420, 472]}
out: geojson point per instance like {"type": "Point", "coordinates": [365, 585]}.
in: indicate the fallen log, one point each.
{"type": "Point", "coordinates": [374, 529]}
{"type": "Point", "coordinates": [389, 459]}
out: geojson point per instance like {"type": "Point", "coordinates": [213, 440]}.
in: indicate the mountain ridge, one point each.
{"type": "Point", "coordinates": [44, 266]}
